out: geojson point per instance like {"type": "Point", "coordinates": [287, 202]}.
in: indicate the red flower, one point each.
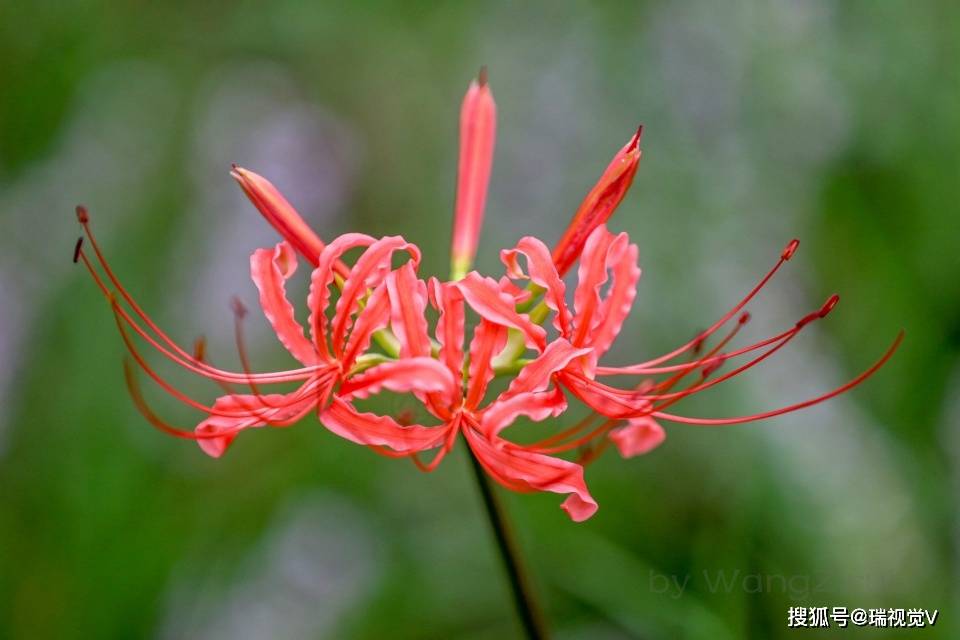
{"type": "Point", "coordinates": [378, 302]}
{"type": "Point", "coordinates": [609, 262]}
{"type": "Point", "coordinates": [331, 357]}
{"type": "Point", "coordinates": [465, 411]}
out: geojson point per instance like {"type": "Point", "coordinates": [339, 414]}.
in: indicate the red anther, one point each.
{"type": "Point", "coordinates": [482, 76]}
{"type": "Point", "coordinates": [744, 318]}
{"type": "Point", "coordinates": [698, 341]}
{"type": "Point", "coordinates": [238, 308]}
{"type": "Point", "coordinates": [82, 216]}
{"type": "Point", "coordinates": [790, 249]}
{"type": "Point", "coordinates": [828, 306]}
{"type": "Point", "coordinates": [713, 365]}
{"type": "Point", "coordinates": [200, 348]}
{"type": "Point", "coordinates": [635, 142]}
{"type": "Point", "coordinates": [76, 249]}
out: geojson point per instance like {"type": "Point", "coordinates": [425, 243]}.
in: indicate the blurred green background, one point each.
{"type": "Point", "coordinates": [834, 122]}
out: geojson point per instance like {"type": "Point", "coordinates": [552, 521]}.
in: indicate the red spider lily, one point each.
{"type": "Point", "coordinates": [610, 261]}
{"type": "Point", "coordinates": [387, 304]}
{"type": "Point", "coordinates": [329, 358]}
{"type": "Point", "coordinates": [465, 411]}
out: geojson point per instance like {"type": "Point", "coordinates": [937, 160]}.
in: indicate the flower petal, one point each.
{"type": "Point", "coordinates": [270, 268]}
{"type": "Point", "coordinates": [591, 276]}
{"type": "Point", "coordinates": [408, 305]}
{"type": "Point", "coordinates": [421, 375]}
{"type": "Point", "coordinates": [640, 436]}
{"type": "Point", "coordinates": [448, 300]}
{"type": "Point", "coordinates": [488, 340]}
{"type": "Point", "coordinates": [616, 306]}
{"type": "Point", "coordinates": [374, 317]}
{"type": "Point", "coordinates": [543, 273]}
{"type": "Point", "coordinates": [368, 273]}
{"type": "Point", "coordinates": [536, 375]}
{"type": "Point", "coordinates": [320, 281]}
{"type": "Point", "coordinates": [537, 406]}
{"type": "Point", "coordinates": [517, 468]}
{"type": "Point", "coordinates": [273, 409]}
{"type": "Point", "coordinates": [485, 297]}
{"type": "Point", "coordinates": [370, 429]}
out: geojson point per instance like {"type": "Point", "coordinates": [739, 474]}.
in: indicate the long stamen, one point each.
{"type": "Point", "coordinates": [262, 413]}
{"type": "Point", "coordinates": [670, 382]}
{"type": "Point", "coordinates": [178, 355]}
{"type": "Point", "coordinates": [785, 255]}
{"type": "Point", "coordinates": [789, 408]}
{"type": "Point", "coordinates": [715, 362]}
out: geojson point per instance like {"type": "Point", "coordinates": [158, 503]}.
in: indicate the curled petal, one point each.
{"type": "Point", "coordinates": [515, 467]}
{"type": "Point", "coordinates": [536, 375]}
{"type": "Point", "coordinates": [408, 304]}
{"type": "Point", "coordinates": [370, 429]}
{"type": "Point", "coordinates": [543, 273]}
{"type": "Point", "coordinates": [374, 317]}
{"type": "Point", "coordinates": [320, 280]}
{"type": "Point", "coordinates": [420, 375]}
{"type": "Point", "coordinates": [640, 436]}
{"type": "Point", "coordinates": [486, 298]}
{"type": "Point", "coordinates": [447, 299]}
{"type": "Point", "coordinates": [616, 306]}
{"type": "Point", "coordinates": [368, 273]}
{"type": "Point", "coordinates": [488, 340]}
{"type": "Point", "coordinates": [274, 409]}
{"type": "Point", "coordinates": [537, 406]}
{"type": "Point", "coordinates": [270, 268]}
{"type": "Point", "coordinates": [600, 253]}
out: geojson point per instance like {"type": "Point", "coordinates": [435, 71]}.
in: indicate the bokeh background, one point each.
{"type": "Point", "coordinates": [834, 122]}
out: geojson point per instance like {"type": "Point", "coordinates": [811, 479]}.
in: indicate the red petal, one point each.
{"type": "Point", "coordinates": [489, 340]}
{"type": "Point", "coordinates": [374, 316]}
{"type": "Point", "coordinates": [544, 274]}
{"type": "Point", "coordinates": [536, 375]}
{"type": "Point", "coordinates": [320, 281]}
{"type": "Point", "coordinates": [616, 306]}
{"type": "Point", "coordinates": [536, 406]}
{"type": "Point", "coordinates": [422, 374]}
{"type": "Point", "coordinates": [640, 436]}
{"type": "Point", "coordinates": [408, 304]}
{"type": "Point", "coordinates": [448, 300]}
{"type": "Point", "coordinates": [512, 465]}
{"type": "Point", "coordinates": [370, 429]}
{"type": "Point", "coordinates": [368, 273]}
{"type": "Point", "coordinates": [270, 268]}
{"type": "Point", "coordinates": [273, 409]}
{"type": "Point", "coordinates": [486, 298]}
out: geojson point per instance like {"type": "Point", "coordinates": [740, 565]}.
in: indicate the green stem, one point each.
{"type": "Point", "coordinates": [530, 616]}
